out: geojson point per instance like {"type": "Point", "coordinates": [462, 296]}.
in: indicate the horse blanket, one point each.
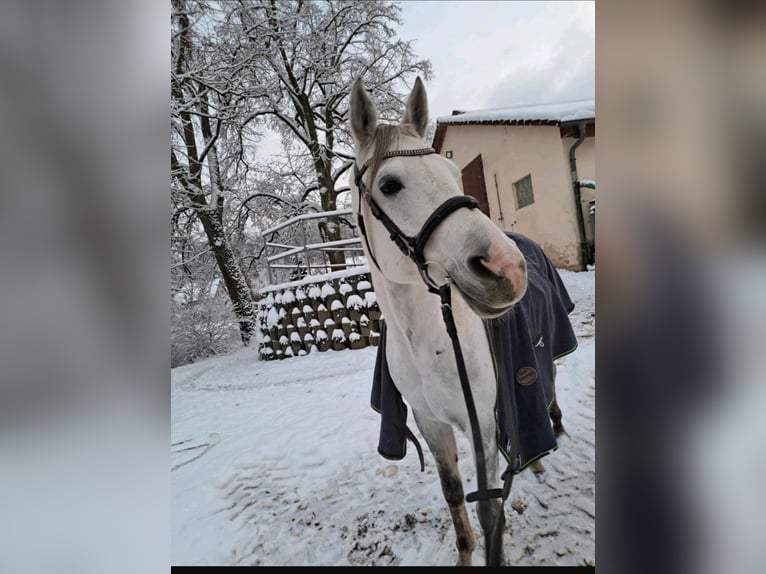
{"type": "Point", "coordinates": [525, 342]}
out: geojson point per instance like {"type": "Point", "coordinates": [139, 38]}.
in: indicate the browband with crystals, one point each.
{"type": "Point", "coordinates": [395, 153]}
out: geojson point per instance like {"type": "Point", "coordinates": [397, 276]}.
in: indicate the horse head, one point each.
{"type": "Point", "coordinates": [396, 174]}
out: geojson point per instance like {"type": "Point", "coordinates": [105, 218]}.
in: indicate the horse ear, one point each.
{"type": "Point", "coordinates": [363, 115]}
{"type": "Point", "coordinates": [416, 112]}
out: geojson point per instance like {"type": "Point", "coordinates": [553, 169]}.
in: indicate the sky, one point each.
{"type": "Point", "coordinates": [500, 54]}
{"type": "Point", "coordinates": [276, 463]}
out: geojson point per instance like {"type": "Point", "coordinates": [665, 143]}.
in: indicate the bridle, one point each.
{"type": "Point", "coordinates": [413, 248]}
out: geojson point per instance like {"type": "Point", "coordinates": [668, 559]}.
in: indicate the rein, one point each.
{"type": "Point", "coordinates": [413, 247]}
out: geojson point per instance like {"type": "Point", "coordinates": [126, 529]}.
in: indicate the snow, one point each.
{"type": "Point", "coordinates": [363, 285]}
{"type": "Point", "coordinates": [354, 302]}
{"type": "Point", "coordinates": [327, 290]}
{"type": "Point", "coordinates": [305, 217]}
{"type": "Point", "coordinates": [370, 298]}
{"type": "Point", "coordinates": [559, 112]}
{"type": "Point", "coordinates": [288, 297]}
{"type": "Point", "coordinates": [345, 288]}
{"type": "Point", "coordinates": [183, 298]}
{"type": "Point", "coordinates": [312, 247]}
{"type": "Point", "coordinates": [338, 335]}
{"type": "Point", "coordinates": [276, 463]}
{"type": "Point", "coordinates": [308, 309]}
{"type": "Point", "coordinates": [315, 292]}
{"type": "Point", "coordinates": [272, 318]}
{"type": "Point", "coordinates": [336, 304]}
{"type": "Point", "coordinates": [345, 273]}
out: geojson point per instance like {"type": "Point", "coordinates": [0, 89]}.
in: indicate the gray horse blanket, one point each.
{"type": "Point", "coordinates": [525, 342]}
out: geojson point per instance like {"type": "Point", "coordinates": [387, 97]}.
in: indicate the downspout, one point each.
{"type": "Point", "coordinates": [499, 204]}
{"type": "Point", "coordinates": [576, 188]}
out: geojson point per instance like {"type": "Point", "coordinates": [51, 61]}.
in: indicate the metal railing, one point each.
{"type": "Point", "coordinates": [287, 262]}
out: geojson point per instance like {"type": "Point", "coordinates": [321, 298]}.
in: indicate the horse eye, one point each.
{"type": "Point", "coordinates": [390, 185]}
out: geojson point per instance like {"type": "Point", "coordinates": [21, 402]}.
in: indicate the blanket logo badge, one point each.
{"type": "Point", "coordinates": [526, 376]}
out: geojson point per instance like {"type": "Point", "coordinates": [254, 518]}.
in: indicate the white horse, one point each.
{"type": "Point", "coordinates": [407, 184]}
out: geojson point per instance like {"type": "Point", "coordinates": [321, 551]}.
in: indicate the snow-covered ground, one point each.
{"type": "Point", "coordinates": [275, 463]}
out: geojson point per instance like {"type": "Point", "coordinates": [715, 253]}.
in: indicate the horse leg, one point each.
{"type": "Point", "coordinates": [441, 441]}
{"type": "Point", "coordinates": [555, 411]}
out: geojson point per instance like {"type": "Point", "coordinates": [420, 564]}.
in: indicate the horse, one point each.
{"type": "Point", "coordinates": [422, 235]}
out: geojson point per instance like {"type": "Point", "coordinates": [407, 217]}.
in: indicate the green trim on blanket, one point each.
{"type": "Point", "coordinates": [569, 352]}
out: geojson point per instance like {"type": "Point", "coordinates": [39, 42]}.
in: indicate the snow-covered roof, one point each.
{"type": "Point", "coordinates": [559, 114]}
{"type": "Point", "coordinates": [548, 113]}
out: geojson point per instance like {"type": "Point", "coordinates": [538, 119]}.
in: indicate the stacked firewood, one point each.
{"type": "Point", "coordinates": [316, 317]}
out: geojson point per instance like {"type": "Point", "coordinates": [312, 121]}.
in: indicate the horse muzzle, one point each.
{"type": "Point", "coordinates": [493, 280]}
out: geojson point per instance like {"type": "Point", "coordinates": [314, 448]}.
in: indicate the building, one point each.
{"type": "Point", "coordinates": [533, 171]}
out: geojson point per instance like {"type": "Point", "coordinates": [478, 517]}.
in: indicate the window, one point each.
{"type": "Point", "coordinates": [524, 194]}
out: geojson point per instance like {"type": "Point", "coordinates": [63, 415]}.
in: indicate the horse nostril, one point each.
{"type": "Point", "coordinates": [481, 267]}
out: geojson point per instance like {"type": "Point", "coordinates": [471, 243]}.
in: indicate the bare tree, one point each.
{"type": "Point", "coordinates": [202, 108]}
{"type": "Point", "coordinates": [298, 60]}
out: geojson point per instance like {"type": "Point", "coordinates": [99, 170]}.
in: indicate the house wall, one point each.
{"type": "Point", "coordinates": [511, 152]}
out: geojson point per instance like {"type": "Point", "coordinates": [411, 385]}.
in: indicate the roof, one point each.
{"type": "Point", "coordinates": [561, 112]}
{"type": "Point", "coordinates": [541, 114]}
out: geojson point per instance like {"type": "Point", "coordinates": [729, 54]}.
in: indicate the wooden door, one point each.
{"type": "Point", "coordinates": [473, 183]}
